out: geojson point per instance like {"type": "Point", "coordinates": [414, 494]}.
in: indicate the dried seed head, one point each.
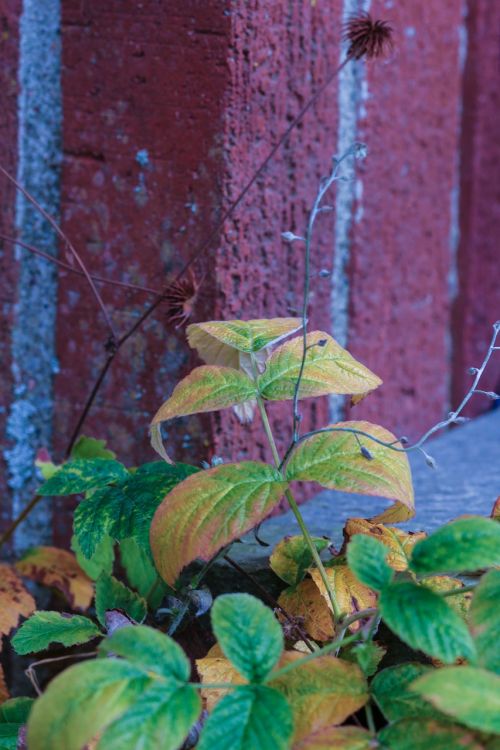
{"type": "Point", "coordinates": [368, 38]}
{"type": "Point", "coordinates": [180, 298]}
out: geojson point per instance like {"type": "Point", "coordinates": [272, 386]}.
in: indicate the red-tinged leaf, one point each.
{"type": "Point", "coordinates": [337, 738]}
{"type": "Point", "coordinates": [58, 569]}
{"type": "Point", "coordinates": [334, 460]}
{"type": "Point", "coordinates": [15, 601]}
{"type": "Point", "coordinates": [210, 509]}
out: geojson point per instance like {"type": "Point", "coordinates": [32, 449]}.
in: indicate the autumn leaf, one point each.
{"type": "Point", "coordinates": [351, 595]}
{"type": "Point", "coordinates": [15, 601]}
{"type": "Point", "coordinates": [459, 602]}
{"type": "Point", "coordinates": [217, 669]}
{"type": "Point", "coordinates": [495, 511]}
{"type": "Point", "coordinates": [210, 509]}
{"type": "Point", "coordinates": [334, 460]}
{"type": "Point", "coordinates": [336, 738]}
{"type": "Point", "coordinates": [292, 557]}
{"type": "Point", "coordinates": [305, 603]}
{"type": "Point", "coordinates": [58, 568]}
{"type": "Point", "coordinates": [328, 369]}
{"type": "Point", "coordinates": [4, 691]}
{"type": "Point", "coordinates": [400, 543]}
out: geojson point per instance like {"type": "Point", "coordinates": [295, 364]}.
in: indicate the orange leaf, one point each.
{"type": "Point", "coordinates": [306, 603]}
{"type": "Point", "coordinates": [400, 543]}
{"type": "Point", "coordinates": [216, 670]}
{"type": "Point", "coordinates": [15, 601]}
{"type": "Point", "coordinates": [58, 569]}
{"type": "Point", "coordinates": [352, 596]}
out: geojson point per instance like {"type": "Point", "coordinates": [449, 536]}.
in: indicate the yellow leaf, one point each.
{"type": "Point", "coordinates": [459, 602]}
{"type": "Point", "coordinates": [58, 569]}
{"type": "Point", "coordinates": [400, 543]}
{"type": "Point", "coordinates": [328, 369]}
{"type": "Point", "coordinates": [217, 669]}
{"type": "Point", "coordinates": [322, 692]}
{"type": "Point", "coordinates": [15, 601]}
{"type": "Point", "coordinates": [210, 509]}
{"type": "Point", "coordinates": [4, 691]}
{"type": "Point", "coordinates": [352, 596]}
{"type": "Point", "coordinates": [219, 342]}
{"type": "Point", "coordinates": [337, 738]}
{"type": "Point", "coordinates": [306, 603]}
{"type": "Point", "coordinates": [205, 389]}
{"type": "Point", "coordinates": [334, 460]}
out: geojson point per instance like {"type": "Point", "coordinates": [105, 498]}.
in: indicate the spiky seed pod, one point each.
{"type": "Point", "coordinates": [180, 298]}
{"type": "Point", "coordinates": [368, 38]}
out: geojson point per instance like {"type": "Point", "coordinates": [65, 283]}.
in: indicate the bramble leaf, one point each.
{"type": "Point", "coordinates": [210, 509]}
{"type": "Point", "coordinates": [367, 558]}
{"type": "Point", "coordinates": [44, 628]}
{"type": "Point", "coordinates": [336, 738]}
{"type": "Point", "coordinates": [322, 692]}
{"type": "Point", "coordinates": [218, 342]}
{"type": "Point", "coordinates": [352, 596]}
{"type": "Point", "coordinates": [113, 594]}
{"type": "Point", "coordinates": [484, 618]}
{"type": "Point", "coordinates": [83, 475]}
{"type": "Point", "coordinates": [391, 691]}
{"type": "Point", "coordinates": [468, 544]}
{"type": "Point", "coordinates": [13, 715]}
{"type": "Point", "coordinates": [248, 634]}
{"type": "Point", "coordinates": [292, 557]}
{"type": "Point", "coordinates": [59, 569]}
{"type": "Point", "coordinates": [424, 621]}
{"type": "Point", "coordinates": [101, 561]}
{"type": "Point", "coordinates": [252, 717]}
{"type": "Point", "coordinates": [306, 603]}
{"type": "Point", "coordinates": [149, 650]}
{"type": "Point", "coordinates": [15, 601]}
{"type": "Point", "coordinates": [141, 573]}
{"type": "Point", "coordinates": [416, 734]}
{"type": "Point", "coordinates": [334, 460]}
{"type": "Point", "coordinates": [399, 543]}
{"type": "Point", "coordinates": [468, 694]}
{"type": "Point", "coordinates": [328, 369]}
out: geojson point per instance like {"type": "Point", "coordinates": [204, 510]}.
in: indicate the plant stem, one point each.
{"type": "Point", "coordinates": [298, 515]}
{"type": "Point", "coordinates": [20, 518]}
{"type": "Point", "coordinates": [369, 718]}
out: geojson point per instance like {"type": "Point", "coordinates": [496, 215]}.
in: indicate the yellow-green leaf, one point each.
{"type": "Point", "coordinates": [400, 543]}
{"type": "Point", "coordinates": [210, 509]}
{"type": "Point", "coordinates": [219, 341]}
{"type": "Point", "coordinates": [322, 692]}
{"type": "Point", "coordinates": [484, 617]}
{"type": "Point", "coordinates": [459, 602]}
{"type": "Point", "coordinates": [292, 557]}
{"type": "Point", "coordinates": [427, 734]}
{"type": "Point", "coordinates": [334, 460]}
{"type": "Point", "coordinates": [328, 369]}
{"type": "Point", "coordinates": [351, 595]}
{"type": "Point", "coordinates": [337, 738]}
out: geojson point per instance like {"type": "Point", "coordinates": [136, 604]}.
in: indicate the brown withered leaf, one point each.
{"type": "Point", "coordinates": [495, 511]}
{"type": "Point", "coordinates": [58, 569]}
{"type": "Point", "coordinates": [217, 669]}
{"type": "Point", "coordinates": [322, 692]}
{"type": "Point", "coordinates": [337, 738]}
{"type": "Point", "coordinates": [400, 543]}
{"type": "Point", "coordinates": [306, 603]}
{"type": "Point", "coordinates": [15, 600]}
{"type": "Point", "coordinates": [352, 596]}
{"type": "Point", "coordinates": [4, 691]}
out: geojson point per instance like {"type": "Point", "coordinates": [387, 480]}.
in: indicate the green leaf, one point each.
{"type": "Point", "coordinates": [83, 475]}
{"type": "Point", "coordinates": [141, 573]}
{"type": "Point", "coordinates": [464, 545]}
{"type": "Point", "coordinates": [215, 339]}
{"type": "Point", "coordinates": [368, 655]}
{"type": "Point", "coordinates": [249, 718]}
{"type": "Point", "coordinates": [334, 460]}
{"type": "Point", "coordinates": [13, 714]}
{"type": "Point", "coordinates": [112, 594]}
{"type": "Point", "coordinates": [292, 557]}
{"type": "Point", "coordinates": [424, 621]}
{"type": "Point", "coordinates": [88, 447]}
{"type": "Point", "coordinates": [210, 509]}
{"type": "Point", "coordinates": [44, 628]}
{"type": "Point", "coordinates": [418, 734]}
{"type": "Point", "coordinates": [127, 510]}
{"type": "Point", "coordinates": [248, 633]}
{"type": "Point", "coordinates": [484, 618]}
{"type": "Point", "coordinates": [328, 369]}
{"type": "Point", "coordinates": [81, 701]}
{"type": "Point", "coordinates": [367, 558]}
{"type": "Point", "coordinates": [160, 718]}
{"type": "Point", "coordinates": [469, 694]}
{"type": "Point", "coordinates": [100, 562]}
{"type": "Point", "coordinates": [149, 650]}
{"type": "Point", "coordinates": [392, 693]}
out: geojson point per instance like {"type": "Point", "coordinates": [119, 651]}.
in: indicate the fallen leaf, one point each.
{"type": "Point", "coordinates": [15, 600]}
{"type": "Point", "coordinates": [352, 596]}
{"type": "Point", "coordinates": [337, 738]}
{"type": "Point", "coordinates": [306, 603]}
{"type": "Point", "coordinates": [400, 543]}
{"type": "Point", "coordinates": [58, 568]}
{"type": "Point", "coordinates": [217, 669]}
